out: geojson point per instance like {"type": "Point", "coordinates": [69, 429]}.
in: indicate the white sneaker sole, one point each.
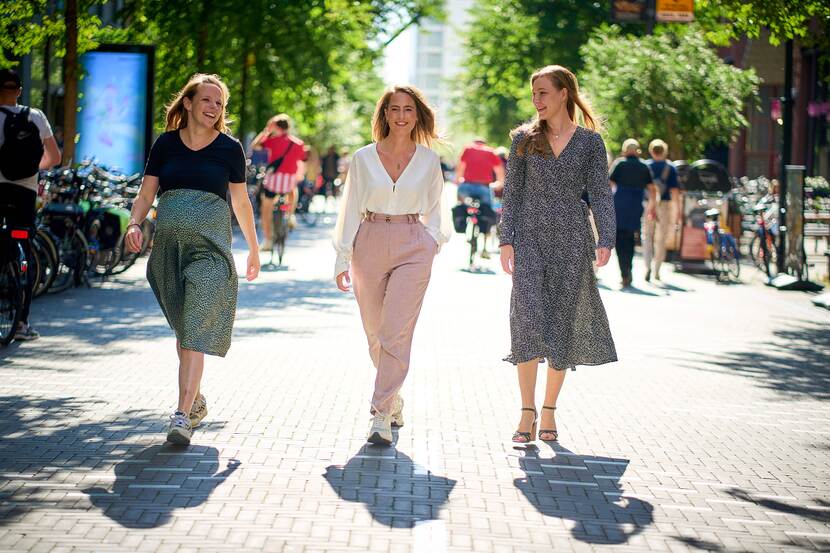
{"type": "Point", "coordinates": [377, 439]}
{"type": "Point", "coordinates": [178, 437]}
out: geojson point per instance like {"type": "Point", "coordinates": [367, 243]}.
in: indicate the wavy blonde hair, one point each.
{"type": "Point", "coordinates": [535, 139]}
{"type": "Point", "coordinates": [424, 131]}
{"type": "Point", "coordinates": [177, 115]}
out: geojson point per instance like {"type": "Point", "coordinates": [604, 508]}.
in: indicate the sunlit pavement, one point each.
{"type": "Point", "coordinates": [710, 433]}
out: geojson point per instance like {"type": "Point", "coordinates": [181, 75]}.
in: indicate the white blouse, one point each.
{"type": "Point", "coordinates": [370, 188]}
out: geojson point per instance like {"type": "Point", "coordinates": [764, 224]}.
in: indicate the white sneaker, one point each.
{"type": "Point", "coordinates": [381, 431]}
{"type": "Point", "coordinates": [180, 429]}
{"type": "Point", "coordinates": [397, 412]}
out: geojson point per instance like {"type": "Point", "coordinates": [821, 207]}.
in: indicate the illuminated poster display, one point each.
{"type": "Point", "coordinates": [115, 106]}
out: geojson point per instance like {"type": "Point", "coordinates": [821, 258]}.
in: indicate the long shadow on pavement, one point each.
{"type": "Point", "coordinates": [153, 482]}
{"type": "Point", "coordinates": [795, 361]}
{"type": "Point", "coordinates": [585, 489]}
{"type": "Point", "coordinates": [397, 492]}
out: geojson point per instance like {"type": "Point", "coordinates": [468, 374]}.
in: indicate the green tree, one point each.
{"type": "Point", "coordinates": [725, 20]}
{"type": "Point", "coordinates": [671, 85]}
{"type": "Point", "coordinates": [507, 41]}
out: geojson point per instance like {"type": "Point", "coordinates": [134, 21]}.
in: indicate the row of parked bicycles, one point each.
{"type": "Point", "coordinates": [79, 236]}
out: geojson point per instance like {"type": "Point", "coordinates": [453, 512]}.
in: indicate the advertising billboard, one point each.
{"type": "Point", "coordinates": [115, 106]}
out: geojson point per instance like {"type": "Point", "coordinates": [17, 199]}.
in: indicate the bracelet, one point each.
{"type": "Point", "coordinates": [134, 225]}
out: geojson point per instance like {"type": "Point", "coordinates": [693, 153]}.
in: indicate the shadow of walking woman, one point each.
{"type": "Point", "coordinates": [396, 491]}
{"type": "Point", "coordinates": [585, 489]}
{"type": "Point", "coordinates": [157, 480]}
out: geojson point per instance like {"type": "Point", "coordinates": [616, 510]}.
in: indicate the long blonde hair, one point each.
{"type": "Point", "coordinates": [177, 115]}
{"type": "Point", "coordinates": [535, 140]}
{"type": "Point", "coordinates": [424, 131]}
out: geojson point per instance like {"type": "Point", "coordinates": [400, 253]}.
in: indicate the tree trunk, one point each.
{"type": "Point", "coordinates": [202, 37]}
{"type": "Point", "coordinates": [70, 85]}
{"type": "Point", "coordinates": [247, 62]}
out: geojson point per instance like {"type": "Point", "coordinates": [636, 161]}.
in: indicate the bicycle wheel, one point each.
{"type": "Point", "coordinates": [756, 253]}
{"type": "Point", "coordinates": [73, 254]}
{"type": "Point", "coordinates": [11, 301]}
{"type": "Point", "coordinates": [126, 258]}
{"type": "Point", "coordinates": [45, 244]}
{"type": "Point", "coordinates": [731, 257]}
{"type": "Point", "coordinates": [280, 231]}
{"type": "Point", "coordinates": [474, 231]}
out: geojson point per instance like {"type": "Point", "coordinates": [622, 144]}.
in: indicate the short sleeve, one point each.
{"type": "Point", "coordinates": [671, 182]}
{"type": "Point", "coordinates": [237, 173]}
{"type": "Point", "coordinates": [41, 122]}
{"type": "Point", "coordinates": [495, 160]}
{"type": "Point", "coordinates": [615, 170]}
{"type": "Point", "coordinates": [156, 158]}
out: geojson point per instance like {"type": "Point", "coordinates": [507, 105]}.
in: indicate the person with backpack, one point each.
{"type": "Point", "coordinates": [286, 167]}
{"type": "Point", "coordinates": [26, 146]}
{"type": "Point", "coordinates": [657, 222]}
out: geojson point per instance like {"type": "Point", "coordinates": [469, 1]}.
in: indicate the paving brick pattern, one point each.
{"type": "Point", "coordinates": [711, 433]}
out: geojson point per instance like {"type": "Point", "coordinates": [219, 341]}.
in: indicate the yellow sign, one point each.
{"type": "Point", "coordinates": [675, 10]}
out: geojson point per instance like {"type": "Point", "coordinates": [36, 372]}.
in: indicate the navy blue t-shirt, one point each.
{"type": "Point", "coordinates": [632, 176]}
{"type": "Point", "coordinates": [209, 169]}
{"type": "Point", "coordinates": [657, 169]}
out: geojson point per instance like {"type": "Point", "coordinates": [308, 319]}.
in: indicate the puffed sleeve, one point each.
{"type": "Point", "coordinates": [514, 182]}
{"type": "Point", "coordinates": [434, 218]}
{"type": "Point", "coordinates": [349, 217]}
{"type": "Point", "coordinates": [599, 193]}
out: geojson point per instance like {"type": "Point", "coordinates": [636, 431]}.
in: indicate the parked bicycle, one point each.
{"type": "Point", "coordinates": [723, 247]}
{"type": "Point", "coordinates": [762, 248]}
{"type": "Point", "coordinates": [13, 274]}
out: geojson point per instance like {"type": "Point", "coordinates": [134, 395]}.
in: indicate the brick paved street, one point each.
{"type": "Point", "coordinates": [711, 433]}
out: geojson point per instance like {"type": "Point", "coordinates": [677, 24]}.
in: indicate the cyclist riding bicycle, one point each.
{"type": "Point", "coordinates": [475, 172]}
{"type": "Point", "coordinates": [286, 166]}
{"type": "Point", "coordinates": [30, 146]}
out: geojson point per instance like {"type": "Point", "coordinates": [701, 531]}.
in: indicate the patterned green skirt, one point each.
{"type": "Point", "coordinates": [191, 269]}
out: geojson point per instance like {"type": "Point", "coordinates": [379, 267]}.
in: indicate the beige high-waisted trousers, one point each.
{"type": "Point", "coordinates": [391, 266]}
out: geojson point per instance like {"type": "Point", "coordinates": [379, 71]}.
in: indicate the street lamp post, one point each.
{"type": "Point", "coordinates": [786, 154]}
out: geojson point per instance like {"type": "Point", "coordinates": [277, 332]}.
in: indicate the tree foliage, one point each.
{"type": "Point", "coordinates": [313, 59]}
{"type": "Point", "coordinates": [671, 85]}
{"type": "Point", "coordinates": [725, 20]}
{"type": "Point", "coordinates": [507, 41]}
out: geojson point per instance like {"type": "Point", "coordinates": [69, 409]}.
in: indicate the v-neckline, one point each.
{"type": "Point", "coordinates": [382, 166]}
{"type": "Point", "coordinates": [179, 135]}
{"type": "Point", "coordinates": [565, 147]}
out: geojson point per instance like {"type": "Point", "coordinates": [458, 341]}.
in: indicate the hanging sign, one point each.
{"type": "Point", "coordinates": [675, 10]}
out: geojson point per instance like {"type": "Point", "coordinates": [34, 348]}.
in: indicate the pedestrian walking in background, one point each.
{"type": "Point", "coordinates": [631, 180]}
{"type": "Point", "coordinates": [191, 268]}
{"type": "Point", "coordinates": [330, 170]}
{"type": "Point", "coordinates": [547, 244]}
{"type": "Point", "coordinates": [667, 208]}
{"type": "Point", "coordinates": [390, 226]}
{"type": "Point", "coordinates": [28, 147]}
{"type": "Point", "coordinates": [286, 167]}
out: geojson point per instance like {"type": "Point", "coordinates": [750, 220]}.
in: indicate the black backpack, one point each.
{"type": "Point", "coordinates": [22, 148]}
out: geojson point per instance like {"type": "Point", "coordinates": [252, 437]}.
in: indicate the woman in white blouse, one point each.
{"type": "Point", "coordinates": [391, 225]}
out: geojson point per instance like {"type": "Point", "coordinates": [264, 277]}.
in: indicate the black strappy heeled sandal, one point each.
{"type": "Point", "coordinates": [526, 437]}
{"type": "Point", "coordinates": [554, 432]}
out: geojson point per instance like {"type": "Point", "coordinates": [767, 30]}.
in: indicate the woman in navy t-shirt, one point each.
{"type": "Point", "coordinates": [191, 270]}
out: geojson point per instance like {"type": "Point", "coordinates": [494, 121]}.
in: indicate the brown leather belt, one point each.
{"type": "Point", "coordinates": [373, 217]}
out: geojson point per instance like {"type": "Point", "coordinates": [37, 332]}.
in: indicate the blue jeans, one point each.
{"type": "Point", "coordinates": [476, 191]}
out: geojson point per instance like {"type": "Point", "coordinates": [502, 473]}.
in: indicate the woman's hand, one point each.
{"type": "Point", "coordinates": [603, 255]}
{"type": "Point", "coordinates": [253, 265]}
{"type": "Point", "coordinates": [343, 281]}
{"type": "Point", "coordinates": [134, 238]}
{"type": "Point", "coordinates": [508, 261]}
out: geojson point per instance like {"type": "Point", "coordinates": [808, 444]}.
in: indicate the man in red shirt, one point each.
{"type": "Point", "coordinates": [478, 167]}
{"type": "Point", "coordinates": [286, 167]}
